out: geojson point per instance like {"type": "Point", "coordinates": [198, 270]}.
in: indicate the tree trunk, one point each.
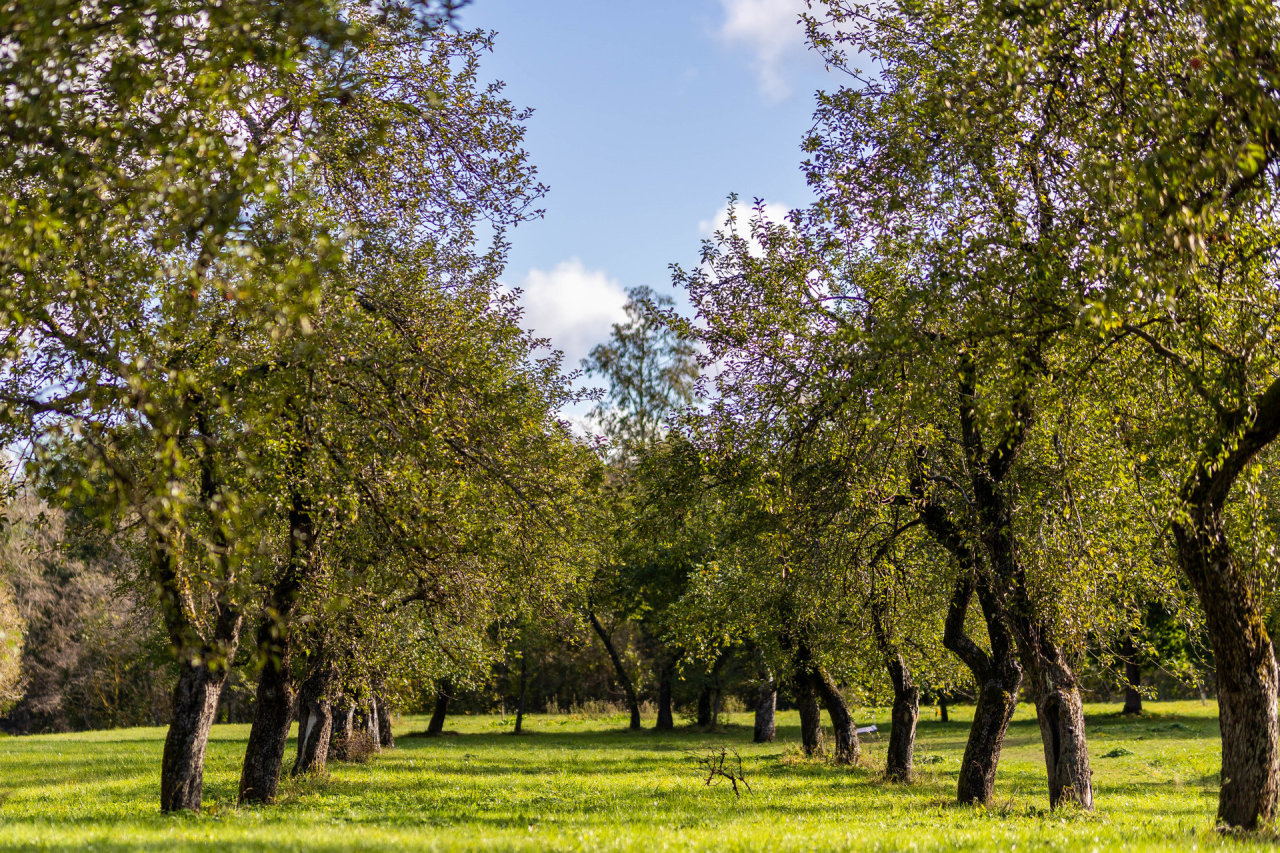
{"type": "Point", "coordinates": [385, 738]}
{"type": "Point", "coordinates": [633, 703]}
{"type": "Point", "coordinates": [842, 725]}
{"type": "Point", "coordinates": [810, 713]}
{"type": "Point", "coordinates": [274, 709]}
{"type": "Point", "coordinates": [1246, 671]}
{"type": "Point", "coordinates": [273, 713]}
{"type": "Point", "coordinates": [766, 706]}
{"type": "Point", "coordinates": [906, 696]}
{"type": "Point", "coordinates": [899, 765]}
{"type": "Point", "coordinates": [942, 708]}
{"type": "Point", "coordinates": [444, 691]}
{"type": "Point", "coordinates": [704, 707]}
{"type": "Point", "coordinates": [1060, 712]}
{"type": "Point", "coordinates": [371, 724]}
{"type": "Point", "coordinates": [998, 676]}
{"type": "Point", "coordinates": [344, 720]}
{"type": "Point", "coordinates": [524, 672]}
{"type": "Point", "coordinates": [1132, 678]}
{"type": "Point", "coordinates": [315, 724]}
{"type": "Point", "coordinates": [195, 701]}
{"type": "Point", "coordinates": [666, 675]}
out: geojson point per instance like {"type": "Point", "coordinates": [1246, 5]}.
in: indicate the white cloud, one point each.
{"type": "Point", "coordinates": [574, 306]}
{"type": "Point", "coordinates": [769, 29]}
{"type": "Point", "coordinates": [773, 211]}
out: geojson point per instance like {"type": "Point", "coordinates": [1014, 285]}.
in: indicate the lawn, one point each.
{"type": "Point", "coordinates": [577, 783]}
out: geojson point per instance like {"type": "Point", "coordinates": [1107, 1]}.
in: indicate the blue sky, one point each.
{"type": "Point", "coordinates": [647, 115]}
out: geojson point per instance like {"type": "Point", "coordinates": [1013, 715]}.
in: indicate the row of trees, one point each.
{"type": "Point", "coordinates": [1009, 383]}
{"type": "Point", "coordinates": [1004, 391]}
{"type": "Point", "coordinates": [252, 327]}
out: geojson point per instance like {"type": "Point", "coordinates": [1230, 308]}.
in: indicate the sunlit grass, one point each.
{"type": "Point", "coordinates": [586, 784]}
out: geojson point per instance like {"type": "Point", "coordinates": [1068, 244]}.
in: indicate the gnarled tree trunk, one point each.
{"type": "Point", "coordinates": [1246, 670]}
{"type": "Point", "coordinates": [843, 728]}
{"type": "Point", "coordinates": [900, 762]}
{"type": "Point", "coordinates": [385, 738]}
{"type": "Point", "coordinates": [315, 724]}
{"type": "Point", "coordinates": [195, 701]}
{"type": "Point", "coordinates": [766, 725]}
{"type": "Point", "coordinates": [444, 692]}
{"type": "Point", "coordinates": [273, 711]}
{"type": "Point", "coordinates": [344, 728]}
{"type": "Point", "coordinates": [1060, 713]}
{"type": "Point", "coordinates": [810, 713]}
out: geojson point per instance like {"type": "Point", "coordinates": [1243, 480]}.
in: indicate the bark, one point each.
{"type": "Point", "coordinates": [1246, 672]}
{"type": "Point", "coordinates": [666, 675]}
{"type": "Point", "coordinates": [444, 691]}
{"type": "Point", "coordinates": [196, 693]}
{"type": "Point", "coordinates": [810, 713]}
{"type": "Point", "coordinates": [766, 706]}
{"type": "Point", "coordinates": [1060, 713]}
{"type": "Point", "coordinates": [344, 726]}
{"type": "Point", "coordinates": [1132, 678]}
{"type": "Point", "coordinates": [1058, 705]}
{"type": "Point", "coordinates": [195, 702]}
{"type": "Point", "coordinates": [276, 695]}
{"type": "Point", "coordinates": [899, 763]}
{"type": "Point", "coordinates": [524, 675]}
{"type": "Point", "coordinates": [370, 715]}
{"type": "Point", "coordinates": [633, 703]}
{"type": "Point", "coordinates": [315, 724]}
{"type": "Point", "coordinates": [845, 732]}
{"type": "Point", "coordinates": [385, 739]}
{"type": "Point", "coordinates": [942, 709]}
{"type": "Point", "coordinates": [264, 755]}
{"type": "Point", "coordinates": [998, 674]}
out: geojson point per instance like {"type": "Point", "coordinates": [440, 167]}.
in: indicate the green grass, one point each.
{"type": "Point", "coordinates": [584, 784]}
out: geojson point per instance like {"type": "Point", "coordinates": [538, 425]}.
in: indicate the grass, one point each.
{"type": "Point", "coordinates": [575, 783]}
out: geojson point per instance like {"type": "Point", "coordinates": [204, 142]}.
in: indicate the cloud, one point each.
{"type": "Point", "coordinates": [773, 211]}
{"type": "Point", "coordinates": [574, 306]}
{"type": "Point", "coordinates": [769, 29]}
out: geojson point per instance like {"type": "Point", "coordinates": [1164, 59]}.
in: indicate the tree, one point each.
{"type": "Point", "coordinates": [652, 371]}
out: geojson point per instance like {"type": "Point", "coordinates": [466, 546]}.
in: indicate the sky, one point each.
{"type": "Point", "coordinates": [647, 115]}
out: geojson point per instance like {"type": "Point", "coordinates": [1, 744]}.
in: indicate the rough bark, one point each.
{"type": "Point", "coordinates": [276, 695]}
{"type": "Point", "coordinates": [998, 675]}
{"type": "Point", "coordinates": [344, 726]}
{"type": "Point", "coordinates": [810, 713]}
{"type": "Point", "coordinates": [195, 695]}
{"type": "Point", "coordinates": [628, 689]}
{"type": "Point", "coordinates": [315, 724]}
{"type": "Point", "coordinates": [195, 701]}
{"type": "Point", "coordinates": [766, 726]}
{"type": "Point", "coordinates": [1246, 672]}
{"type": "Point", "coordinates": [524, 682]}
{"type": "Point", "coordinates": [264, 755]}
{"type": "Point", "coordinates": [385, 739]}
{"type": "Point", "coordinates": [844, 731]}
{"type": "Point", "coordinates": [444, 691]}
{"type": "Point", "coordinates": [1058, 705]}
{"type": "Point", "coordinates": [900, 760]}
{"type": "Point", "coordinates": [1060, 712]}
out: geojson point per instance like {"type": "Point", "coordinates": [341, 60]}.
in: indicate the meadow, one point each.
{"type": "Point", "coordinates": [584, 783]}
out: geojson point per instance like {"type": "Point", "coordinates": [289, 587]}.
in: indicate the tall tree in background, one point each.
{"type": "Point", "coordinates": [651, 371]}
